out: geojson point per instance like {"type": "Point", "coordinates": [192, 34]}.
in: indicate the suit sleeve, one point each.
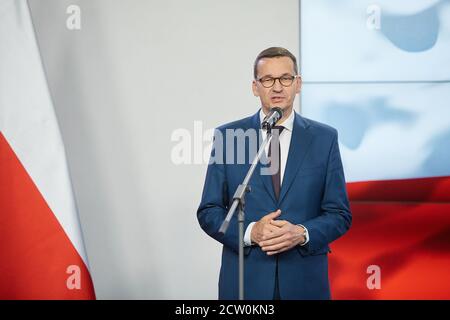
{"type": "Point", "coordinates": [335, 218]}
{"type": "Point", "coordinates": [215, 202]}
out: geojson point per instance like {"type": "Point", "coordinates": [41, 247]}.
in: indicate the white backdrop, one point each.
{"type": "Point", "coordinates": [132, 62]}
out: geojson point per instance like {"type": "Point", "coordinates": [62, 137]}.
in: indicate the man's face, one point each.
{"type": "Point", "coordinates": [277, 95]}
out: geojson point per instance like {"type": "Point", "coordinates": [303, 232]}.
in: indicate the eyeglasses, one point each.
{"type": "Point", "coordinates": [269, 82]}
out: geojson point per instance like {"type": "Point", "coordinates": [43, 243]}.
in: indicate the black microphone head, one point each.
{"type": "Point", "coordinates": [279, 110]}
{"type": "Point", "coordinates": [275, 114]}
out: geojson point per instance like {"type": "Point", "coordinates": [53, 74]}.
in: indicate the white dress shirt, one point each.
{"type": "Point", "coordinates": [285, 141]}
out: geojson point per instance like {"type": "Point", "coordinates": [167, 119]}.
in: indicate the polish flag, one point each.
{"type": "Point", "coordinates": [382, 81]}
{"type": "Point", "coordinates": [42, 255]}
{"type": "Point", "coordinates": [395, 147]}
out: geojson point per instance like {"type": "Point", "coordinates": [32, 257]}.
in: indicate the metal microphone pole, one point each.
{"type": "Point", "coordinates": [239, 203]}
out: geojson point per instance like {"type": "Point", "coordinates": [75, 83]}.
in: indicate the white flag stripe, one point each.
{"type": "Point", "coordinates": [28, 121]}
{"type": "Point", "coordinates": [386, 131]}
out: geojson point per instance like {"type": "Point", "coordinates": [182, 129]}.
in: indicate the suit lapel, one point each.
{"type": "Point", "coordinates": [298, 148]}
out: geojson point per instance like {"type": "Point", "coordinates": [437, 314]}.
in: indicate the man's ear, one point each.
{"type": "Point", "coordinates": [255, 89]}
{"type": "Point", "coordinates": [298, 84]}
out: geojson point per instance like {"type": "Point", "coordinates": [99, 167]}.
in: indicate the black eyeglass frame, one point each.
{"type": "Point", "coordinates": [291, 79]}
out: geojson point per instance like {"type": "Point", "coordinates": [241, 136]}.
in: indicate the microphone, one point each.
{"type": "Point", "coordinates": [272, 118]}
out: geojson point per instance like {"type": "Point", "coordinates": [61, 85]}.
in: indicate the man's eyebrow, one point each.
{"type": "Point", "coordinates": [271, 76]}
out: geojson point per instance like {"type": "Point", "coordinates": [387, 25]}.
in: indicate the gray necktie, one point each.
{"type": "Point", "coordinates": [275, 161]}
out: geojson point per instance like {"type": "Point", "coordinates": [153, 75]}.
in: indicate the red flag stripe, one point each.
{"type": "Point", "coordinates": [35, 252]}
{"type": "Point", "coordinates": [410, 242]}
{"type": "Point", "coordinates": [435, 189]}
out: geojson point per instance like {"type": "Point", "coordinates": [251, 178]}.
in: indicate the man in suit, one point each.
{"type": "Point", "coordinates": [294, 209]}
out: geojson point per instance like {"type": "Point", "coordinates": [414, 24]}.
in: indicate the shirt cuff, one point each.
{"type": "Point", "coordinates": [248, 235]}
{"type": "Point", "coordinates": [306, 235]}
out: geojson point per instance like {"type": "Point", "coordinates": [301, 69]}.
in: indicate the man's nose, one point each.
{"type": "Point", "coordinates": [277, 87]}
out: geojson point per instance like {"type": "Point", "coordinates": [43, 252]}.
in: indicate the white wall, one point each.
{"type": "Point", "coordinates": [176, 61]}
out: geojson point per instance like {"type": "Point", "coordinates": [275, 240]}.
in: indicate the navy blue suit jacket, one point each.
{"type": "Point", "coordinates": [313, 194]}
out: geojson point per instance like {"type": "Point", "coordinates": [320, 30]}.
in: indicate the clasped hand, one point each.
{"type": "Point", "coordinates": [275, 236]}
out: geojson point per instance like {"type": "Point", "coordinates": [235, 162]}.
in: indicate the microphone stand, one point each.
{"type": "Point", "coordinates": [239, 203]}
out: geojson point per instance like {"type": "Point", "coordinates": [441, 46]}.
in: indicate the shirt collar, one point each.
{"type": "Point", "coordinates": [287, 124]}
